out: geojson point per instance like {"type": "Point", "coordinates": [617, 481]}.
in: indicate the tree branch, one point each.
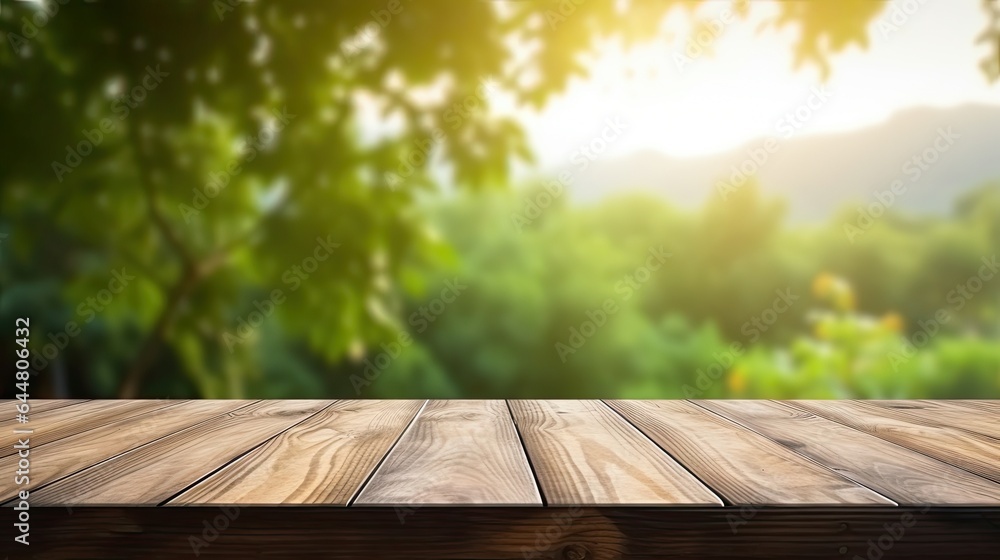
{"type": "Point", "coordinates": [151, 346]}
{"type": "Point", "coordinates": [191, 275]}
{"type": "Point", "coordinates": [143, 165]}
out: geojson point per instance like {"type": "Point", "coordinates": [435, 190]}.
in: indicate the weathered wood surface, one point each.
{"type": "Point", "coordinates": [36, 406]}
{"type": "Point", "coordinates": [945, 413]}
{"type": "Point", "coordinates": [153, 473]}
{"type": "Point", "coordinates": [324, 460]}
{"type": "Point", "coordinates": [741, 465]}
{"type": "Point", "coordinates": [73, 454]}
{"type": "Point", "coordinates": [989, 406]}
{"type": "Point", "coordinates": [456, 452]}
{"type": "Point", "coordinates": [510, 453]}
{"type": "Point", "coordinates": [585, 454]}
{"type": "Point", "coordinates": [903, 475]}
{"type": "Point", "coordinates": [575, 479]}
{"type": "Point", "coordinates": [962, 448]}
{"type": "Point", "coordinates": [55, 424]}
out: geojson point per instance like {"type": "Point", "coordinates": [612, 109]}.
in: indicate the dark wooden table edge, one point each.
{"type": "Point", "coordinates": [510, 532]}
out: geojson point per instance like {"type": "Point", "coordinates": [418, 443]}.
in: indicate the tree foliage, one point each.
{"type": "Point", "coordinates": [209, 148]}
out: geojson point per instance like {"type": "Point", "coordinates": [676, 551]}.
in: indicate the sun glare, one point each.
{"type": "Point", "coordinates": [717, 86]}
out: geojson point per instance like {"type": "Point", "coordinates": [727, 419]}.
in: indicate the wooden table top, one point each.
{"type": "Point", "coordinates": [508, 453]}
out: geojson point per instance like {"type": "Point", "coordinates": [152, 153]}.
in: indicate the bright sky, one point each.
{"type": "Point", "coordinates": [722, 101]}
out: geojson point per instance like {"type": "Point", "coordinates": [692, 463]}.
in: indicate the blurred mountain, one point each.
{"type": "Point", "coordinates": [821, 174]}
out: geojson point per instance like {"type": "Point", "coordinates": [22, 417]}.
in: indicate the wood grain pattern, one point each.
{"type": "Point", "coordinates": [323, 460]}
{"type": "Point", "coordinates": [517, 533]}
{"type": "Point", "coordinates": [456, 452]}
{"type": "Point", "coordinates": [988, 406]}
{"type": "Point", "coordinates": [74, 453]}
{"type": "Point", "coordinates": [742, 466]}
{"type": "Point", "coordinates": [471, 453]}
{"type": "Point", "coordinates": [61, 422]}
{"type": "Point", "coordinates": [968, 450]}
{"type": "Point", "coordinates": [905, 476]}
{"type": "Point", "coordinates": [151, 474]}
{"type": "Point", "coordinates": [946, 413]}
{"type": "Point", "coordinates": [585, 454]}
{"type": "Point", "coordinates": [37, 406]}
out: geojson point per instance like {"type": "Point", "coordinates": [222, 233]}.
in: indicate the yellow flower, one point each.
{"type": "Point", "coordinates": [823, 284]}
{"type": "Point", "coordinates": [834, 289]}
{"type": "Point", "coordinates": [892, 321]}
{"type": "Point", "coordinates": [737, 381]}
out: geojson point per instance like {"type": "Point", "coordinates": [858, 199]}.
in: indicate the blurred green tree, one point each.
{"type": "Point", "coordinates": [211, 149]}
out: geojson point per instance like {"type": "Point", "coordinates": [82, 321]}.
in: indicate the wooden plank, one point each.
{"type": "Point", "coordinates": [742, 466]}
{"type": "Point", "coordinates": [37, 406]}
{"type": "Point", "coordinates": [67, 421]}
{"type": "Point", "coordinates": [585, 454]}
{"type": "Point", "coordinates": [516, 533]}
{"type": "Point", "coordinates": [968, 450]}
{"type": "Point", "coordinates": [38, 411]}
{"type": "Point", "coordinates": [987, 405]}
{"type": "Point", "coordinates": [75, 453]}
{"type": "Point", "coordinates": [46, 405]}
{"type": "Point", "coordinates": [946, 413]}
{"type": "Point", "coordinates": [456, 452]}
{"type": "Point", "coordinates": [151, 474]}
{"type": "Point", "coordinates": [323, 460]}
{"type": "Point", "coordinates": [905, 476]}
{"type": "Point", "coordinates": [41, 411]}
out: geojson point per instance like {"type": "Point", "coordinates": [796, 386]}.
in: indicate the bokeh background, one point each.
{"type": "Point", "coordinates": [576, 199]}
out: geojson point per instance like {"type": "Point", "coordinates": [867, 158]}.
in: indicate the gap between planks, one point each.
{"type": "Point", "coordinates": [967, 450]}
{"type": "Point", "coordinates": [901, 474]}
{"type": "Point", "coordinates": [174, 461]}
{"type": "Point", "coordinates": [739, 464]}
{"type": "Point", "coordinates": [324, 460]}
